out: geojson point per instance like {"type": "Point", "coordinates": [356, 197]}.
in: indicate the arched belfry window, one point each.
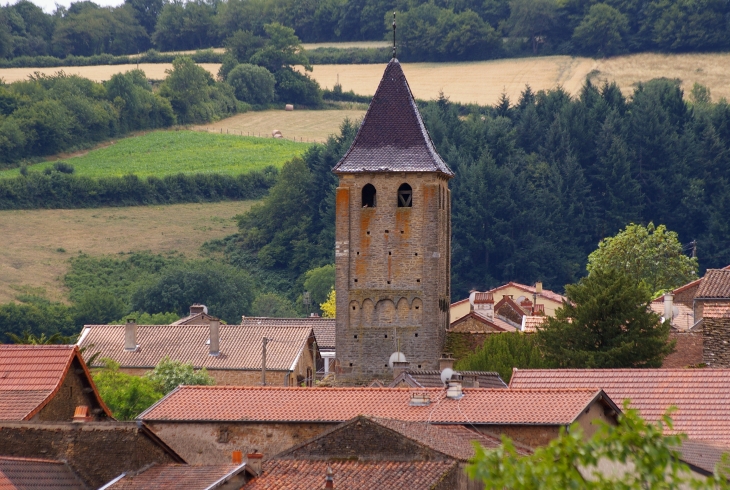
{"type": "Point", "coordinates": [405, 196]}
{"type": "Point", "coordinates": [368, 196]}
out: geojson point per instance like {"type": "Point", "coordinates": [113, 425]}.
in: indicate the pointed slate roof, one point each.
{"type": "Point", "coordinates": [392, 137]}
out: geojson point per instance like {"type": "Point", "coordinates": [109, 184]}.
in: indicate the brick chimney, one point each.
{"type": "Point", "coordinates": [329, 480]}
{"type": "Point", "coordinates": [196, 308]}
{"type": "Point", "coordinates": [484, 304]}
{"type": "Point", "coordinates": [400, 367]}
{"type": "Point", "coordinates": [130, 335]}
{"type": "Point", "coordinates": [254, 462]}
{"type": "Point", "coordinates": [446, 361]}
{"type": "Point", "coordinates": [215, 338]}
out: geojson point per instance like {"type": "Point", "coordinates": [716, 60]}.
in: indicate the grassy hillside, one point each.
{"type": "Point", "coordinates": [38, 243]}
{"type": "Point", "coordinates": [171, 152]}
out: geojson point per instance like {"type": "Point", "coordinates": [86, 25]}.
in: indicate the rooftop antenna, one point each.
{"type": "Point", "coordinates": [393, 35]}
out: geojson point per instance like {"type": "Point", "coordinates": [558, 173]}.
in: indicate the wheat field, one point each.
{"type": "Point", "coordinates": [39, 242]}
{"type": "Point", "coordinates": [99, 73]}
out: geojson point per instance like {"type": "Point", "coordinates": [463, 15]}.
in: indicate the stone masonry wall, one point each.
{"type": "Point", "coordinates": [392, 277]}
{"type": "Point", "coordinates": [213, 442]}
{"type": "Point", "coordinates": [70, 395]}
{"type": "Point", "coordinates": [688, 350]}
{"type": "Point", "coordinates": [716, 342]}
{"type": "Point", "coordinates": [530, 435]}
{"type": "Point", "coordinates": [97, 451]}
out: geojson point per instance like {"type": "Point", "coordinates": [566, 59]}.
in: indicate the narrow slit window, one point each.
{"type": "Point", "coordinates": [405, 196]}
{"type": "Point", "coordinates": [368, 196]}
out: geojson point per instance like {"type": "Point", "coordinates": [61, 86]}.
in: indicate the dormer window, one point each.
{"type": "Point", "coordinates": [405, 196]}
{"type": "Point", "coordinates": [368, 196]}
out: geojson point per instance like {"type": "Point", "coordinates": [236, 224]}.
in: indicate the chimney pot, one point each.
{"type": "Point", "coordinates": [400, 367]}
{"type": "Point", "coordinates": [215, 338]}
{"type": "Point", "coordinates": [668, 306]}
{"type": "Point", "coordinates": [254, 462]}
{"type": "Point", "coordinates": [130, 335]}
{"type": "Point", "coordinates": [81, 414]}
{"type": "Point", "coordinates": [454, 390]}
{"type": "Point", "coordinates": [446, 361]}
{"type": "Point", "coordinates": [538, 287]}
{"type": "Point", "coordinates": [237, 457]}
{"type": "Point", "coordinates": [196, 308]}
{"type": "Point", "coordinates": [329, 481]}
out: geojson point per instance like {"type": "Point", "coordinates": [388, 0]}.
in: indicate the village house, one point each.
{"type": "Point", "coordinates": [366, 453]}
{"type": "Point", "coordinates": [47, 383]}
{"type": "Point", "coordinates": [527, 300]}
{"type": "Point", "coordinates": [205, 423]}
{"type": "Point", "coordinates": [324, 335]}
{"type": "Point", "coordinates": [230, 476]}
{"type": "Point", "coordinates": [38, 474]}
{"type": "Point", "coordinates": [198, 315]}
{"type": "Point", "coordinates": [702, 396]}
{"type": "Point", "coordinates": [232, 354]}
{"type": "Point", "coordinates": [96, 452]}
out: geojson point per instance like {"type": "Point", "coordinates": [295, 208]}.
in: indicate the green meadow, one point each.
{"type": "Point", "coordinates": [163, 153]}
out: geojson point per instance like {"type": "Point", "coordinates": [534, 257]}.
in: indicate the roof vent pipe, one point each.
{"type": "Point", "coordinates": [215, 338]}
{"type": "Point", "coordinates": [130, 335]}
{"type": "Point", "coordinates": [329, 481]}
{"type": "Point", "coordinates": [668, 306]}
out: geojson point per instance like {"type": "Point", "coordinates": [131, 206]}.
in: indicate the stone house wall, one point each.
{"type": "Point", "coordinates": [472, 325]}
{"type": "Point", "coordinates": [96, 451]}
{"type": "Point", "coordinates": [213, 442]}
{"type": "Point", "coordinates": [688, 350]}
{"type": "Point", "coordinates": [529, 435]}
{"type": "Point", "coordinates": [75, 390]}
{"type": "Point", "coordinates": [392, 272]}
{"type": "Point", "coordinates": [716, 342]}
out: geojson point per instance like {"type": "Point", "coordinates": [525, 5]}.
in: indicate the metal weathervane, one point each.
{"type": "Point", "coordinates": [393, 35]}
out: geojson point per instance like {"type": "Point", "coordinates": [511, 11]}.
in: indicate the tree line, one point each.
{"type": "Point", "coordinates": [539, 182]}
{"type": "Point", "coordinates": [428, 30]}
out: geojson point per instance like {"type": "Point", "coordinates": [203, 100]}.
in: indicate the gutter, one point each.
{"type": "Point", "coordinates": [108, 485]}
{"type": "Point", "coordinates": [225, 478]}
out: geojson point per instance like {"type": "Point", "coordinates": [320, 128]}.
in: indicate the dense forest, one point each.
{"type": "Point", "coordinates": [433, 30]}
{"type": "Point", "coordinates": [538, 183]}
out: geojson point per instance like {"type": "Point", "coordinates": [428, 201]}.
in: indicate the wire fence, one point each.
{"type": "Point", "coordinates": [258, 134]}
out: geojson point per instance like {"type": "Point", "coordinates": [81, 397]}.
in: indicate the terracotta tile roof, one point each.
{"type": "Point", "coordinates": [496, 323]}
{"type": "Point", "coordinates": [178, 476]}
{"type": "Point", "coordinates": [715, 284]}
{"type": "Point", "coordinates": [683, 317]}
{"type": "Point", "coordinates": [37, 474]}
{"type": "Point", "coordinates": [702, 396]}
{"type": "Point", "coordinates": [716, 310]}
{"type": "Point", "coordinates": [30, 375]}
{"type": "Point", "coordinates": [432, 379]}
{"type": "Point", "coordinates": [392, 136]}
{"type": "Point", "coordinates": [324, 328]}
{"type": "Point", "coordinates": [530, 324]}
{"type": "Point", "coordinates": [702, 455]}
{"type": "Point", "coordinates": [483, 298]}
{"type": "Point", "coordinates": [240, 347]}
{"type": "Point", "coordinates": [546, 293]}
{"type": "Point", "coordinates": [293, 474]}
{"type": "Point", "coordinates": [454, 441]}
{"type": "Point", "coordinates": [281, 404]}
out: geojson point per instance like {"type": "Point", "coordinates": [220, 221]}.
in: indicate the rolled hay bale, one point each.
{"type": "Point", "coordinates": [276, 134]}
{"type": "Point", "coordinates": [290, 107]}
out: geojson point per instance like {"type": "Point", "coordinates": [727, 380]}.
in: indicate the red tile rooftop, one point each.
{"type": "Point", "coordinates": [702, 396]}
{"type": "Point", "coordinates": [177, 476]}
{"type": "Point", "coordinates": [333, 405]}
{"type": "Point", "coordinates": [351, 475]}
{"type": "Point", "coordinates": [37, 474]}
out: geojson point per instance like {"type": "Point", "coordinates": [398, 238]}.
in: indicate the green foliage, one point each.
{"type": "Point", "coordinates": [98, 306]}
{"type": "Point", "coordinates": [28, 338]}
{"type": "Point", "coordinates": [171, 153]}
{"type": "Point", "coordinates": [252, 84]}
{"type": "Point", "coordinates": [503, 352]}
{"type": "Point", "coordinates": [194, 95]}
{"type": "Point", "coordinates": [34, 317]}
{"type": "Point", "coordinates": [533, 19]}
{"type": "Point", "coordinates": [602, 30]}
{"type": "Point", "coordinates": [634, 454]}
{"type": "Point", "coordinates": [169, 374]}
{"type": "Point", "coordinates": [226, 290]}
{"type": "Point", "coordinates": [293, 87]}
{"type": "Point", "coordinates": [648, 254]}
{"type": "Point", "coordinates": [282, 50]}
{"type": "Point", "coordinates": [329, 307]}
{"type": "Point", "coordinates": [274, 306]}
{"type": "Point", "coordinates": [606, 324]}
{"type": "Point", "coordinates": [126, 396]}
{"type": "Point", "coordinates": [144, 318]}
{"type": "Point", "coordinates": [319, 282]}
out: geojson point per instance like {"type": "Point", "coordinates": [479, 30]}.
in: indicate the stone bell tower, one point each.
{"type": "Point", "coordinates": [393, 239]}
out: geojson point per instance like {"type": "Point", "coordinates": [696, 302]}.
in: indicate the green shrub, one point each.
{"type": "Point", "coordinates": [126, 396]}
{"type": "Point", "coordinates": [294, 88]}
{"type": "Point", "coordinates": [252, 84]}
{"type": "Point", "coordinates": [169, 374]}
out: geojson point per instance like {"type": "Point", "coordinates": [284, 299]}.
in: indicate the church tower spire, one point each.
{"type": "Point", "coordinates": [393, 239]}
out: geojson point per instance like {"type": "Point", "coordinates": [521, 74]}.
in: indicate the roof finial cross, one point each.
{"type": "Point", "coordinates": [393, 35]}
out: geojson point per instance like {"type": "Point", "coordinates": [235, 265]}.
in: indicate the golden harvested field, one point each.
{"type": "Point", "coordinates": [155, 71]}
{"type": "Point", "coordinates": [38, 243]}
{"type": "Point", "coordinates": [484, 81]}
{"type": "Point", "coordinates": [302, 125]}
{"type": "Point", "coordinates": [353, 44]}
